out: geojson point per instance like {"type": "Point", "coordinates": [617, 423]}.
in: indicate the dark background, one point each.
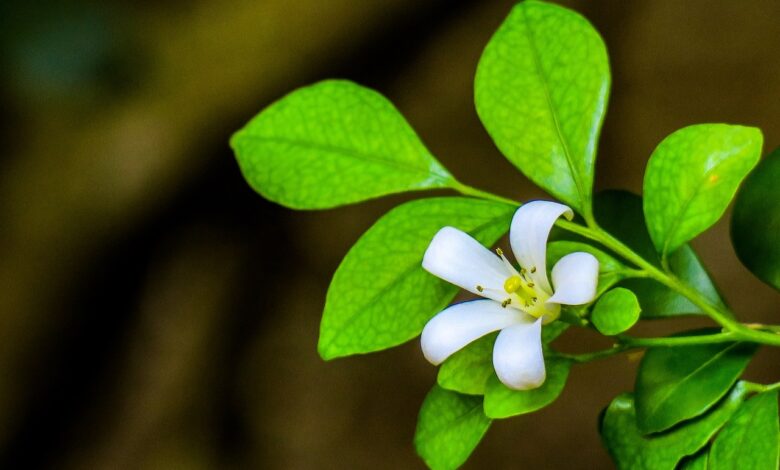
{"type": "Point", "coordinates": [155, 313]}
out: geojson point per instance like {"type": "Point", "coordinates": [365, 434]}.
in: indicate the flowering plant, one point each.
{"type": "Point", "coordinates": [541, 92]}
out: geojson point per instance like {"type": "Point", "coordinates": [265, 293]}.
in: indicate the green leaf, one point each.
{"type": "Point", "coordinates": [698, 461]}
{"type": "Point", "coordinates": [616, 311]}
{"type": "Point", "coordinates": [750, 438]}
{"type": "Point", "coordinates": [333, 143]}
{"type": "Point", "coordinates": [380, 296]}
{"type": "Point", "coordinates": [468, 370]}
{"type": "Point", "coordinates": [620, 213]}
{"type": "Point", "coordinates": [541, 92]}
{"type": "Point", "coordinates": [755, 223]}
{"type": "Point", "coordinates": [503, 402]}
{"type": "Point", "coordinates": [677, 383]}
{"type": "Point", "coordinates": [633, 451]}
{"type": "Point", "coordinates": [611, 270]}
{"type": "Point", "coordinates": [449, 427]}
{"type": "Point", "coordinates": [692, 176]}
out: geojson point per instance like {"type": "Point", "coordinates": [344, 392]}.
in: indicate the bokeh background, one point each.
{"type": "Point", "coordinates": [155, 313]}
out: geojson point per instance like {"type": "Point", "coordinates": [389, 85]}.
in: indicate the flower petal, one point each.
{"type": "Point", "coordinates": [460, 324]}
{"type": "Point", "coordinates": [575, 277]}
{"type": "Point", "coordinates": [456, 257]}
{"type": "Point", "coordinates": [528, 234]}
{"type": "Point", "coordinates": [517, 356]}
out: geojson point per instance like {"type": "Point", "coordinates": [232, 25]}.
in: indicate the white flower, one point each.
{"type": "Point", "coordinates": [517, 302]}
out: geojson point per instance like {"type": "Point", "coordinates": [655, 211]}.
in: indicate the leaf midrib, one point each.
{"type": "Point", "coordinates": [553, 114]}
{"type": "Point", "coordinates": [446, 178]}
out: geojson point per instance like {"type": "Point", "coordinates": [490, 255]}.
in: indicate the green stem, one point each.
{"type": "Point", "coordinates": [595, 233]}
{"type": "Point", "coordinates": [761, 388]}
{"type": "Point", "coordinates": [626, 343]}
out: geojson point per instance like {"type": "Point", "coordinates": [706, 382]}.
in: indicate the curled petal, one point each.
{"type": "Point", "coordinates": [457, 258]}
{"type": "Point", "coordinates": [528, 234]}
{"type": "Point", "coordinates": [575, 277]}
{"type": "Point", "coordinates": [460, 324]}
{"type": "Point", "coordinates": [517, 356]}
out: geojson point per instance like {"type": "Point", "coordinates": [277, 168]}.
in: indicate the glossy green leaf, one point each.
{"type": "Point", "coordinates": [698, 461]}
{"type": "Point", "coordinates": [468, 370]}
{"type": "Point", "coordinates": [449, 427]}
{"type": "Point", "coordinates": [620, 213]}
{"type": "Point", "coordinates": [615, 312]}
{"type": "Point", "coordinates": [380, 296]}
{"type": "Point", "coordinates": [678, 383]}
{"type": "Point", "coordinates": [503, 402]}
{"type": "Point", "coordinates": [541, 92]}
{"type": "Point", "coordinates": [755, 223]}
{"type": "Point", "coordinates": [631, 450]}
{"type": "Point", "coordinates": [333, 143]}
{"type": "Point", "coordinates": [692, 176]}
{"type": "Point", "coordinates": [611, 270]}
{"type": "Point", "coordinates": [750, 438]}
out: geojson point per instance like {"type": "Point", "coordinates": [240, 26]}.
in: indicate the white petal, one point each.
{"type": "Point", "coordinates": [528, 234]}
{"type": "Point", "coordinates": [456, 257]}
{"type": "Point", "coordinates": [460, 324]}
{"type": "Point", "coordinates": [575, 277]}
{"type": "Point", "coordinates": [517, 356]}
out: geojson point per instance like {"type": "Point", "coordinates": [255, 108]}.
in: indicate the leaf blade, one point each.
{"type": "Point", "coordinates": [692, 176]}
{"type": "Point", "coordinates": [380, 296]}
{"type": "Point", "coordinates": [631, 449]}
{"type": "Point", "coordinates": [330, 144]}
{"type": "Point", "coordinates": [755, 223]}
{"type": "Point", "coordinates": [678, 383]}
{"type": "Point", "coordinates": [449, 427]}
{"type": "Point", "coordinates": [541, 90]}
{"type": "Point", "coordinates": [750, 438]}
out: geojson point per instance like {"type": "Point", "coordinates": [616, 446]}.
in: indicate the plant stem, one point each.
{"type": "Point", "coordinates": [626, 343]}
{"type": "Point", "coordinates": [761, 388]}
{"type": "Point", "coordinates": [736, 330]}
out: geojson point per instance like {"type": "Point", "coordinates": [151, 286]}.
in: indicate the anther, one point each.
{"type": "Point", "coordinates": [480, 288]}
{"type": "Point", "coordinates": [530, 284]}
{"type": "Point", "coordinates": [533, 269]}
{"type": "Point", "coordinates": [506, 302]}
{"type": "Point", "coordinates": [500, 252]}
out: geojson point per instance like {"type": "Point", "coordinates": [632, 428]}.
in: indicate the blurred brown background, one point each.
{"type": "Point", "coordinates": [155, 313]}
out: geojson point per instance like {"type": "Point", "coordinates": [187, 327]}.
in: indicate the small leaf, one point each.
{"type": "Point", "coordinates": [615, 312]}
{"type": "Point", "coordinates": [380, 295]}
{"type": "Point", "coordinates": [633, 451]}
{"type": "Point", "coordinates": [620, 213]}
{"type": "Point", "coordinates": [750, 438]}
{"type": "Point", "coordinates": [680, 382]}
{"type": "Point", "coordinates": [610, 270]}
{"type": "Point", "coordinates": [468, 370]}
{"type": "Point", "coordinates": [449, 427]}
{"type": "Point", "coordinates": [333, 143]}
{"type": "Point", "coordinates": [503, 402]}
{"type": "Point", "coordinates": [755, 224]}
{"type": "Point", "coordinates": [541, 92]}
{"type": "Point", "coordinates": [692, 176]}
